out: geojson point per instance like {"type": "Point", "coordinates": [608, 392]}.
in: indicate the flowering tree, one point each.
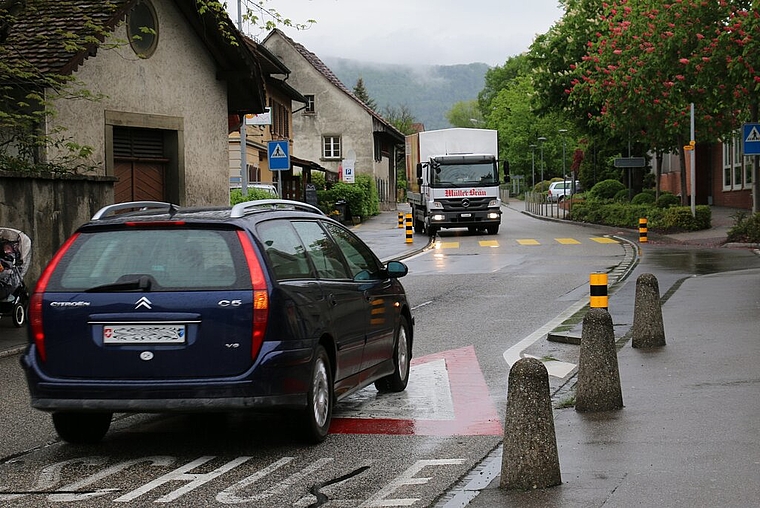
{"type": "Point", "coordinates": [653, 59]}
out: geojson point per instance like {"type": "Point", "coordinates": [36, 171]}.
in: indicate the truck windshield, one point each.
{"type": "Point", "coordinates": [465, 175]}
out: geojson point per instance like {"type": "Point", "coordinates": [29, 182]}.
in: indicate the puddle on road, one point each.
{"type": "Point", "coordinates": [701, 261]}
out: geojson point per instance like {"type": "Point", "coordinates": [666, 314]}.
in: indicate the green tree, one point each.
{"type": "Point", "coordinates": [465, 114]}
{"type": "Point", "coordinates": [400, 117]}
{"type": "Point", "coordinates": [361, 93]}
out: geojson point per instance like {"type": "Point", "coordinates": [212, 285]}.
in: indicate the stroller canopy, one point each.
{"type": "Point", "coordinates": [22, 242]}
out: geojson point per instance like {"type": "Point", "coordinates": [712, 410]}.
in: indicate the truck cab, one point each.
{"type": "Point", "coordinates": [461, 191]}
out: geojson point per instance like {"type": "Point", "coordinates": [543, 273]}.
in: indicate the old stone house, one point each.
{"type": "Point", "coordinates": [336, 128]}
{"type": "Point", "coordinates": [162, 80]}
{"type": "Point", "coordinates": [276, 124]}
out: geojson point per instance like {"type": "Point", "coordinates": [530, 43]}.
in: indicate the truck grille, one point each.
{"type": "Point", "coordinates": [472, 204]}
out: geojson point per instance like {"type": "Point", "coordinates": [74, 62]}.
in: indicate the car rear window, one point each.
{"type": "Point", "coordinates": [174, 259]}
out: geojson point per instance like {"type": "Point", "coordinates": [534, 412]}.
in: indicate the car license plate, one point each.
{"type": "Point", "coordinates": [466, 215]}
{"type": "Point", "coordinates": [144, 334]}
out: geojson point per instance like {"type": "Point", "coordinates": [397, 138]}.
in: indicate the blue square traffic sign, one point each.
{"type": "Point", "coordinates": [279, 155]}
{"type": "Point", "coordinates": [751, 139]}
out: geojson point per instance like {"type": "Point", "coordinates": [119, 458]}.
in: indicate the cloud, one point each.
{"type": "Point", "coordinates": [417, 32]}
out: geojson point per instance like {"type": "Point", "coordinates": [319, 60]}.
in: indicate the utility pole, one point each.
{"type": "Point", "coordinates": [243, 142]}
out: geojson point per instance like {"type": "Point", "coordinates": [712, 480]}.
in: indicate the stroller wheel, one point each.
{"type": "Point", "coordinates": [19, 315]}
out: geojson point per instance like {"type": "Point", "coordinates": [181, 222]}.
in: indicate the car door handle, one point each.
{"type": "Point", "coordinates": [331, 300]}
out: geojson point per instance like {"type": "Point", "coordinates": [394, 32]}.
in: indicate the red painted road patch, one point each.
{"type": "Point", "coordinates": [473, 413]}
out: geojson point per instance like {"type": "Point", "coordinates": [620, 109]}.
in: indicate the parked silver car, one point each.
{"type": "Point", "coordinates": [558, 191]}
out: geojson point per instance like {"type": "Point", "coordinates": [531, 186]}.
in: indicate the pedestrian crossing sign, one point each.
{"type": "Point", "coordinates": [279, 156]}
{"type": "Point", "coordinates": [751, 139]}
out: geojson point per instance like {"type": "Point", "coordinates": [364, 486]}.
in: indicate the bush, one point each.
{"type": "Point", "coordinates": [621, 196]}
{"type": "Point", "coordinates": [615, 214]}
{"type": "Point", "coordinates": [605, 190]}
{"type": "Point", "coordinates": [667, 199]}
{"type": "Point", "coordinates": [679, 218]}
{"type": "Point", "coordinates": [746, 228]}
{"type": "Point", "coordinates": [236, 195]}
{"type": "Point", "coordinates": [361, 197]}
{"type": "Point", "coordinates": [644, 198]}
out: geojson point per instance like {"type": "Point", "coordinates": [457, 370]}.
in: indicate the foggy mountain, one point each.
{"type": "Point", "coordinates": [428, 91]}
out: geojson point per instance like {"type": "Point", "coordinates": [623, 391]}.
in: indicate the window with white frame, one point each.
{"type": "Point", "coordinates": [331, 147]}
{"type": "Point", "coordinates": [736, 168]}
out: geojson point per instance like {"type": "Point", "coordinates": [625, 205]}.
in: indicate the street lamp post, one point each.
{"type": "Point", "coordinates": [533, 167]}
{"type": "Point", "coordinates": [541, 144]}
{"type": "Point", "coordinates": [564, 174]}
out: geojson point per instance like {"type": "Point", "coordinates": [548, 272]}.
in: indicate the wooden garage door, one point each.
{"type": "Point", "coordinates": [139, 164]}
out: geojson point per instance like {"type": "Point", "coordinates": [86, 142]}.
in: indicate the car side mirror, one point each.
{"type": "Point", "coordinates": [396, 269]}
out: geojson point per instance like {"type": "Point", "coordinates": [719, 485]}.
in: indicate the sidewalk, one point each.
{"type": "Point", "coordinates": [687, 435]}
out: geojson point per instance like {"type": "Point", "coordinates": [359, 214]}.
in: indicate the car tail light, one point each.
{"type": "Point", "coordinates": [35, 301]}
{"type": "Point", "coordinates": [260, 294]}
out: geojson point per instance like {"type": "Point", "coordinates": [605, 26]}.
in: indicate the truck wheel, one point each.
{"type": "Point", "coordinates": [492, 230]}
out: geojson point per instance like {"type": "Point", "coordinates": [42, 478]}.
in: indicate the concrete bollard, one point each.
{"type": "Point", "coordinates": [598, 385]}
{"type": "Point", "coordinates": [400, 220]}
{"type": "Point", "coordinates": [648, 329]}
{"type": "Point", "coordinates": [530, 459]}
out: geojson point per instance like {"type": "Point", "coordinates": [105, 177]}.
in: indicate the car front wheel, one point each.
{"type": "Point", "coordinates": [318, 412]}
{"type": "Point", "coordinates": [402, 357]}
{"type": "Point", "coordinates": [82, 428]}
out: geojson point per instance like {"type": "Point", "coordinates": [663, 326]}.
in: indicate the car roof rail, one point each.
{"type": "Point", "coordinates": [243, 209]}
{"type": "Point", "coordinates": [110, 210]}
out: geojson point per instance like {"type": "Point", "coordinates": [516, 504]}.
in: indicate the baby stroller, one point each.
{"type": "Point", "coordinates": [15, 257]}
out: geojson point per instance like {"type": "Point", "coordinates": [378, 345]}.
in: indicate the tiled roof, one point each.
{"type": "Point", "coordinates": [38, 36]}
{"type": "Point", "coordinates": [323, 69]}
{"type": "Point", "coordinates": [43, 34]}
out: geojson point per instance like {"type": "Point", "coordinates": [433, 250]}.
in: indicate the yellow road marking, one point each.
{"type": "Point", "coordinates": [568, 241]}
{"type": "Point", "coordinates": [528, 242]}
{"type": "Point", "coordinates": [446, 245]}
{"type": "Point", "coordinates": [601, 239]}
{"type": "Point", "coordinates": [488, 243]}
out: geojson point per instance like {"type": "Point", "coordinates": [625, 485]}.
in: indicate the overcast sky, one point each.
{"type": "Point", "coordinates": [435, 32]}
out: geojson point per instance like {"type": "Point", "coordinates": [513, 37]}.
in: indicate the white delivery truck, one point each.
{"type": "Point", "coordinates": [453, 180]}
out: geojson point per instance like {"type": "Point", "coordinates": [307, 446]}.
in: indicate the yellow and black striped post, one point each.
{"type": "Point", "coordinates": [598, 286]}
{"type": "Point", "coordinates": [409, 232]}
{"type": "Point", "coordinates": [400, 220]}
{"type": "Point", "coordinates": [643, 230]}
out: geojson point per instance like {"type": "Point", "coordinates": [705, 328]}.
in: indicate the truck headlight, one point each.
{"type": "Point", "coordinates": [494, 202]}
{"type": "Point", "coordinates": [493, 215]}
{"type": "Point", "coordinates": [438, 217]}
{"type": "Point", "coordinates": [436, 204]}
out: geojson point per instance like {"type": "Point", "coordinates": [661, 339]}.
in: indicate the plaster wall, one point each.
{"type": "Point", "coordinates": [177, 81]}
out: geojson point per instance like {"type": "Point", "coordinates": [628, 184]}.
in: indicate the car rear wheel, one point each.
{"type": "Point", "coordinates": [318, 412]}
{"type": "Point", "coordinates": [402, 357]}
{"type": "Point", "coordinates": [82, 428]}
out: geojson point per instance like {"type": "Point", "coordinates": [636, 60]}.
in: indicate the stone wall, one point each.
{"type": "Point", "coordinates": [48, 208]}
